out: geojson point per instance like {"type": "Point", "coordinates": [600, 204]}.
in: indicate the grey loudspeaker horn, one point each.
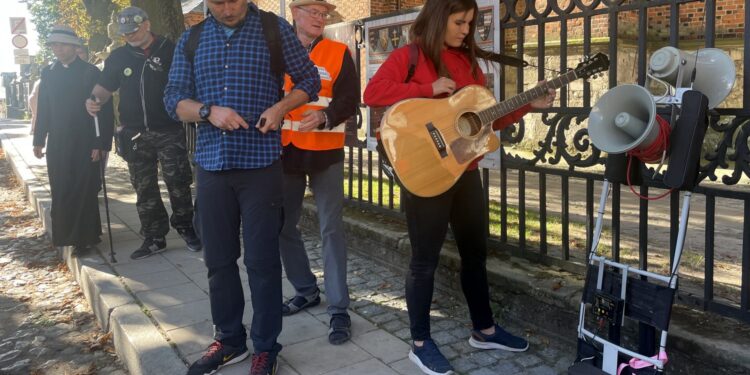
{"type": "Point", "coordinates": [624, 118]}
{"type": "Point", "coordinates": [715, 71]}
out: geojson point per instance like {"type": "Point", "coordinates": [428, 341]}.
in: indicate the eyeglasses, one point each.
{"type": "Point", "coordinates": [316, 14]}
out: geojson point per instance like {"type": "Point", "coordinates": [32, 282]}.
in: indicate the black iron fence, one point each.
{"type": "Point", "coordinates": [542, 196]}
{"type": "Point", "coordinates": [16, 95]}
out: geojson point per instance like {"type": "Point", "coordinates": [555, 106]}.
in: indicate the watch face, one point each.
{"type": "Point", "coordinates": [204, 112]}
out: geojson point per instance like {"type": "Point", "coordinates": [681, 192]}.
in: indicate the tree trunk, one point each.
{"type": "Point", "coordinates": [165, 16]}
{"type": "Point", "coordinates": [100, 12]}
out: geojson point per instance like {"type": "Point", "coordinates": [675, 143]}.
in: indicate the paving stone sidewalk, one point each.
{"type": "Point", "coordinates": [170, 291]}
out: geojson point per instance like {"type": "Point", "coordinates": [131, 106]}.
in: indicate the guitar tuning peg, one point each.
{"type": "Point", "coordinates": [586, 58]}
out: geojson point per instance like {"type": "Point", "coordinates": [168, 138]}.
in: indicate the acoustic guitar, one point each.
{"type": "Point", "coordinates": [430, 142]}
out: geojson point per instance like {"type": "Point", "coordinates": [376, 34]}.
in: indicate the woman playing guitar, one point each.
{"type": "Point", "coordinates": [444, 32]}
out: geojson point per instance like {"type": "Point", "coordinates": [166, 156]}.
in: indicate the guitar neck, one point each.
{"type": "Point", "coordinates": [501, 109]}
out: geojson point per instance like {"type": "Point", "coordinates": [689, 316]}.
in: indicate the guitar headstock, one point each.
{"type": "Point", "coordinates": [592, 65]}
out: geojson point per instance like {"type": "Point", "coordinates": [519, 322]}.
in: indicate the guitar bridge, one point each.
{"type": "Point", "coordinates": [437, 139]}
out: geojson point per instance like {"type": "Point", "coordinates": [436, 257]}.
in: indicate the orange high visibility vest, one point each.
{"type": "Point", "coordinates": [328, 57]}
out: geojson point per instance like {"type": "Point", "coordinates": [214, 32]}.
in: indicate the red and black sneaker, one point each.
{"type": "Point", "coordinates": [264, 363]}
{"type": "Point", "coordinates": [217, 356]}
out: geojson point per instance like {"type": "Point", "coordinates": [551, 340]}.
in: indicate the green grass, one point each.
{"type": "Point", "coordinates": [576, 230]}
{"type": "Point", "coordinates": [383, 187]}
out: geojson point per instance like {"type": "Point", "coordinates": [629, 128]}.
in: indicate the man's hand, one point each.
{"type": "Point", "coordinates": [93, 107]}
{"type": "Point", "coordinates": [226, 118]}
{"type": "Point", "coordinates": [96, 155]}
{"type": "Point", "coordinates": [38, 152]}
{"type": "Point", "coordinates": [311, 120]}
{"type": "Point", "coordinates": [544, 101]}
{"type": "Point", "coordinates": [443, 86]}
{"type": "Point", "coordinates": [270, 119]}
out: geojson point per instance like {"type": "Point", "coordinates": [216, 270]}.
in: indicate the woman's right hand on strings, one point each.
{"type": "Point", "coordinates": [443, 86]}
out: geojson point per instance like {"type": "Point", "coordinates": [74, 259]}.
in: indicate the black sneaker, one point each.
{"type": "Point", "coordinates": [191, 239]}
{"type": "Point", "coordinates": [340, 330]}
{"type": "Point", "coordinates": [264, 363]}
{"type": "Point", "coordinates": [217, 356]}
{"type": "Point", "coordinates": [299, 303]}
{"type": "Point", "coordinates": [501, 339]}
{"type": "Point", "coordinates": [429, 359]}
{"type": "Point", "coordinates": [149, 247]}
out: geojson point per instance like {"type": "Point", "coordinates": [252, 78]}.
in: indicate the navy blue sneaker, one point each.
{"type": "Point", "coordinates": [217, 356]}
{"type": "Point", "coordinates": [191, 239]}
{"type": "Point", "coordinates": [501, 339]}
{"type": "Point", "coordinates": [429, 359]}
{"type": "Point", "coordinates": [264, 363]}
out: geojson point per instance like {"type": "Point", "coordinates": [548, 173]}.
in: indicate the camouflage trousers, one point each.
{"type": "Point", "coordinates": [166, 149]}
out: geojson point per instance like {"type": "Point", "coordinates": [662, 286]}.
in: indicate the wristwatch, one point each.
{"type": "Point", "coordinates": [204, 112]}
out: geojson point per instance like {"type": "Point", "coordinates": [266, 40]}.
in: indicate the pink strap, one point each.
{"type": "Point", "coordinates": [637, 364]}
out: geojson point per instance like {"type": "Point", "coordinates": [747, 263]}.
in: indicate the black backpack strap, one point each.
{"type": "Point", "coordinates": [413, 59]}
{"type": "Point", "coordinates": [270, 24]}
{"type": "Point", "coordinates": [192, 42]}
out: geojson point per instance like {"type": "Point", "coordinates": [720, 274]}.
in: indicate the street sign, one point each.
{"type": "Point", "coordinates": [21, 56]}
{"type": "Point", "coordinates": [19, 41]}
{"type": "Point", "coordinates": [18, 25]}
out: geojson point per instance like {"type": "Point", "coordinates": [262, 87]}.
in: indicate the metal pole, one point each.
{"type": "Point", "coordinates": [104, 187]}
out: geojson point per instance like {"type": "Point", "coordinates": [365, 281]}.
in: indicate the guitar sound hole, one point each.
{"type": "Point", "coordinates": [469, 125]}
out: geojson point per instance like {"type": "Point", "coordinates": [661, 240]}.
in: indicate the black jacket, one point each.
{"type": "Point", "coordinates": [141, 77]}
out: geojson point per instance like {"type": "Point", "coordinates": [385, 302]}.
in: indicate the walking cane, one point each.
{"type": "Point", "coordinates": [104, 187]}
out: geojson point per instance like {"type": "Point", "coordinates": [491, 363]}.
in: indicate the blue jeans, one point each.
{"type": "Point", "coordinates": [251, 198]}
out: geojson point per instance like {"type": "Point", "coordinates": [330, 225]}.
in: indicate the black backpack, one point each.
{"type": "Point", "coordinates": [270, 25]}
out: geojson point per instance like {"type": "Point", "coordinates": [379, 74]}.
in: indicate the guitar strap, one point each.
{"type": "Point", "coordinates": [413, 59]}
{"type": "Point", "coordinates": [385, 164]}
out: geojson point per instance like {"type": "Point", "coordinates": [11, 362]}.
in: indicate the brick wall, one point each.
{"type": "Point", "coordinates": [346, 10]}
{"type": "Point", "coordinates": [192, 18]}
{"type": "Point", "coordinates": [729, 22]}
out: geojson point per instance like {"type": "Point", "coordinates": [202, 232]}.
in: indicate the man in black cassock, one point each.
{"type": "Point", "coordinates": [73, 149]}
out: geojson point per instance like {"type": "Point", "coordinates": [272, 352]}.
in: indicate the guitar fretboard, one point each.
{"type": "Point", "coordinates": [501, 109]}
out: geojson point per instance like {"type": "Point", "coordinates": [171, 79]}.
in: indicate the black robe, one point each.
{"type": "Point", "coordinates": [62, 121]}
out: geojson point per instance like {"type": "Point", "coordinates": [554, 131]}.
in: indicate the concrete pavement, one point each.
{"type": "Point", "coordinates": [159, 313]}
{"type": "Point", "coordinates": [157, 308]}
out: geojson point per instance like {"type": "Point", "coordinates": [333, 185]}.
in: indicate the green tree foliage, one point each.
{"type": "Point", "coordinates": [89, 18]}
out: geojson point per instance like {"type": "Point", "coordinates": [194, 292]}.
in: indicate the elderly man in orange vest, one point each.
{"type": "Point", "coordinates": [313, 139]}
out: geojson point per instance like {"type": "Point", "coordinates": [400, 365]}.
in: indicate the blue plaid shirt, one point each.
{"type": "Point", "coordinates": [235, 71]}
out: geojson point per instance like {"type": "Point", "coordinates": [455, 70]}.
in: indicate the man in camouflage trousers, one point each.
{"type": "Point", "coordinates": [148, 135]}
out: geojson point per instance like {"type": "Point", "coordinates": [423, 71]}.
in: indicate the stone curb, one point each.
{"type": "Point", "coordinates": [138, 343]}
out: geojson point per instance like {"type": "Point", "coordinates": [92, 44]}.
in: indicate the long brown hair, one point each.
{"type": "Point", "coordinates": [428, 31]}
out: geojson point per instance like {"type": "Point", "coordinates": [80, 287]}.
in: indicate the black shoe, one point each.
{"type": "Point", "coordinates": [191, 239]}
{"type": "Point", "coordinates": [340, 330]}
{"type": "Point", "coordinates": [299, 303]}
{"type": "Point", "coordinates": [81, 250]}
{"type": "Point", "coordinates": [149, 247]}
{"type": "Point", "coordinates": [217, 356]}
{"type": "Point", "coordinates": [264, 363]}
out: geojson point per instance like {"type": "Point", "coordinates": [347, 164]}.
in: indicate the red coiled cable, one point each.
{"type": "Point", "coordinates": [651, 154]}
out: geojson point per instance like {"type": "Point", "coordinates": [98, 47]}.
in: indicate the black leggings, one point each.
{"type": "Point", "coordinates": [462, 206]}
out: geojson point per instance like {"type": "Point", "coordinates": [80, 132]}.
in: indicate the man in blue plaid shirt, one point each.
{"type": "Point", "coordinates": [231, 90]}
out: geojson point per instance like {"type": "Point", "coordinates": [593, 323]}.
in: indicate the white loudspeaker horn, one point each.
{"type": "Point", "coordinates": [714, 71]}
{"type": "Point", "coordinates": [624, 118]}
